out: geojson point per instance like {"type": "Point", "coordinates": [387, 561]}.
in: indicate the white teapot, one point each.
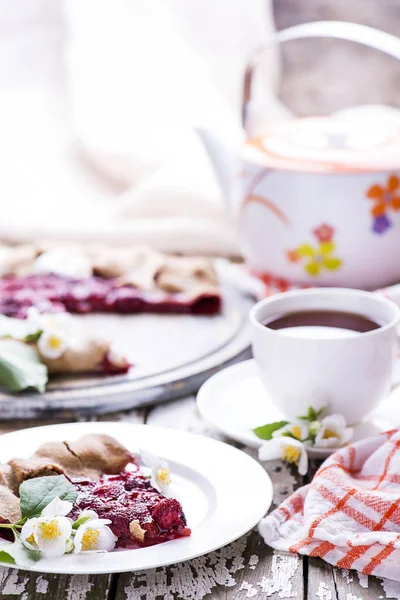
{"type": "Point", "coordinates": [318, 199]}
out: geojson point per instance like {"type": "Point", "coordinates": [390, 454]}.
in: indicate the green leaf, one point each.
{"type": "Point", "coordinates": [17, 553]}
{"type": "Point", "coordinates": [80, 521]}
{"type": "Point", "coordinates": [36, 494]}
{"type": "Point", "coordinates": [289, 434]}
{"type": "Point", "coordinates": [20, 367]}
{"type": "Point", "coordinates": [313, 430]}
{"type": "Point", "coordinates": [265, 431]}
{"type": "Point", "coordinates": [312, 414]}
{"type": "Point", "coordinates": [32, 338]}
{"type": "Point", "coordinates": [5, 557]}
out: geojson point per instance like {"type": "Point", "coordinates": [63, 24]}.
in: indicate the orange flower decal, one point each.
{"type": "Point", "coordinates": [385, 198]}
{"type": "Point", "coordinates": [293, 256]}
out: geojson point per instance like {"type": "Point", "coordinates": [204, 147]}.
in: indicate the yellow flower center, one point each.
{"type": "Point", "coordinates": [329, 433]}
{"type": "Point", "coordinates": [291, 454]}
{"type": "Point", "coordinates": [54, 342]}
{"type": "Point", "coordinates": [296, 431]}
{"type": "Point", "coordinates": [90, 540]}
{"type": "Point", "coordinates": [31, 539]}
{"type": "Point", "coordinates": [49, 530]}
{"type": "Point", "coordinates": [164, 476]}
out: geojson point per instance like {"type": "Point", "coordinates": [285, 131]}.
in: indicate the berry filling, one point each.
{"type": "Point", "coordinates": [140, 516]}
{"type": "Point", "coordinates": [53, 293]}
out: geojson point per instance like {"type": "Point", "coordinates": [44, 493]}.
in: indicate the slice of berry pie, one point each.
{"type": "Point", "coordinates": [96, 278]}
{"type": "Point", "coordinates": [109, 481]}
{"type": "Point", "coordinates": [41, 283]}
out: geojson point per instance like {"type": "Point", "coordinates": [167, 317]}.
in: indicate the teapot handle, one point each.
{"type": "Point", "coordinates": [353, 32]}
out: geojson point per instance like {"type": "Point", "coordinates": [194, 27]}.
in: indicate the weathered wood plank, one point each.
{"type": "Point", "coordinates": [391, 588]}
{"type": "Point", "coordinates": [138, 415]}
{"type": "Point", "coordinates": [244, 569]}
{"type": "Point", "coordinates": [182, 414]}
{"type": "Point", "coordinates": [320, 580]}
{"type": "Point", "coordinates": [351, 585]}
{"type": "Point", "coordinates": [9, 426]}
{"type": "Point", "coordinates": [133, 416]}
{"type": "Point", "coordinates": [33, 586]}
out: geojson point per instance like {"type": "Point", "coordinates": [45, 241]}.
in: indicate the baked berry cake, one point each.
{"type": "Point", "coordinates": [41, 283]}
{"type": "Point", "coordinates": [109, 481]}
{"type": "Point", "coordinates": [91, 279]}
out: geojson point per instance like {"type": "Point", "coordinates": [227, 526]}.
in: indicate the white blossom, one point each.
{"type": "Point", "coordinates": [94, 535]}
{"type": "Point", "coordinates": [160, 473]}
{"type": "Point", "coordinates": [50, 532]}
{"type": "Point", "coordinates": [288, 449]}
{"type": "Point", "coordinates": [333, 432]}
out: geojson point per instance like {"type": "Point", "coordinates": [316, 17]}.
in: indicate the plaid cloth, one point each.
{"type": "Point", "coordinates": [350, 514]}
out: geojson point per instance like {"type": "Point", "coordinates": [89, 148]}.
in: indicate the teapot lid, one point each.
{"type": "Point", "coordinates": [354, 140]}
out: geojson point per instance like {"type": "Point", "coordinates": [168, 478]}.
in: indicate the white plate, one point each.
{"type": "Point", "coordinates": [234, 401]}
{"type": "Point", "coordinates": [189, 349]}
{"type": "Point", "coordinates": [223, 491]}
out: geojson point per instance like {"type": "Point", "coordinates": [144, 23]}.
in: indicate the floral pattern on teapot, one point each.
{"type": "Point", "coordinates": [385, 197]}
{"type": "Point", "coordinates": [316, 258]}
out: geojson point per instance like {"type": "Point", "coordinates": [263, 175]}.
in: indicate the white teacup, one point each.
{"type": "Point", "coordinates": [349, 372]}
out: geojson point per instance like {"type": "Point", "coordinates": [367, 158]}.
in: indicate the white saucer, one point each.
{"type": "Point", "coordinates": [234, 402]}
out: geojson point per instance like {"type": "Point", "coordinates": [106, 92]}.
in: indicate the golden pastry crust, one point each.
{"type": "Point", "coordinates": [82, 356]}
{"type": "Point", "coordinates": [89, 457]}
{"type": "Point", "coordinates": [192, 275]}
{"type": "Point", "coordinates": [8, 479]}
{"type": "Point", "coordinates": [10, 511]}
{"type": "Point", "coordinates": [137, 266]}
{"type": "Point", "coordinates": [17, 260]}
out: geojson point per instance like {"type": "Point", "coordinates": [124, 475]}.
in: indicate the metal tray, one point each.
{"type": "Point", "coordinates": [173, 355]}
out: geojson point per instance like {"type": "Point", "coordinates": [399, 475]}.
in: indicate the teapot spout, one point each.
{"type": "Point", "coordinates": [224, 159]}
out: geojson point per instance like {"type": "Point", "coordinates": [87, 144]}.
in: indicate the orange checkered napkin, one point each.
{"type": "Point", "coordinates": [350, 513]}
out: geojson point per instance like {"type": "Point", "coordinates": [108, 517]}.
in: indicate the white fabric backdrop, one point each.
{"type": "Point", "coordinates": [100, 96]}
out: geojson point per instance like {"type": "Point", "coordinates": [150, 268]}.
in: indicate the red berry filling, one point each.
{"type": "Point", "coordinates": [129, 497]}
{"type": "Point", "coordinates": [52, 293]}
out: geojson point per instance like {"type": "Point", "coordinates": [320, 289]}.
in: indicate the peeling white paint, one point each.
{"type": "Point", "coordinates": [363, 579]}
{"type": "Point", "coordinates": [249, 588]}
{"type": "Point", "coordinates": [253, 561]}
{"type": "Point", "coordinates": [191, 580]}
{"type": "Point", "coordinates": [392, 588]}
{"type": "Point", "coordinates": [323, 592]}
{"type": "Point", "coordinates": [79, 587]}
{"type": "Point", "coordinates": [3, 575]}
{"type": "Point", "coordinates": [351, 596]}
{"type": "Point", "coordinates": [42, 585]}
{"type": "Point", "coordinates": [347, 576]}
{"type": "Point", "coordinates": [12, 586]}
{"type": "Point", "coordinates": [283, 567]}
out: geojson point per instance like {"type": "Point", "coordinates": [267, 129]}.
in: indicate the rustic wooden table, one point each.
{"type": "Point", "coordinates": [246, 568]}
